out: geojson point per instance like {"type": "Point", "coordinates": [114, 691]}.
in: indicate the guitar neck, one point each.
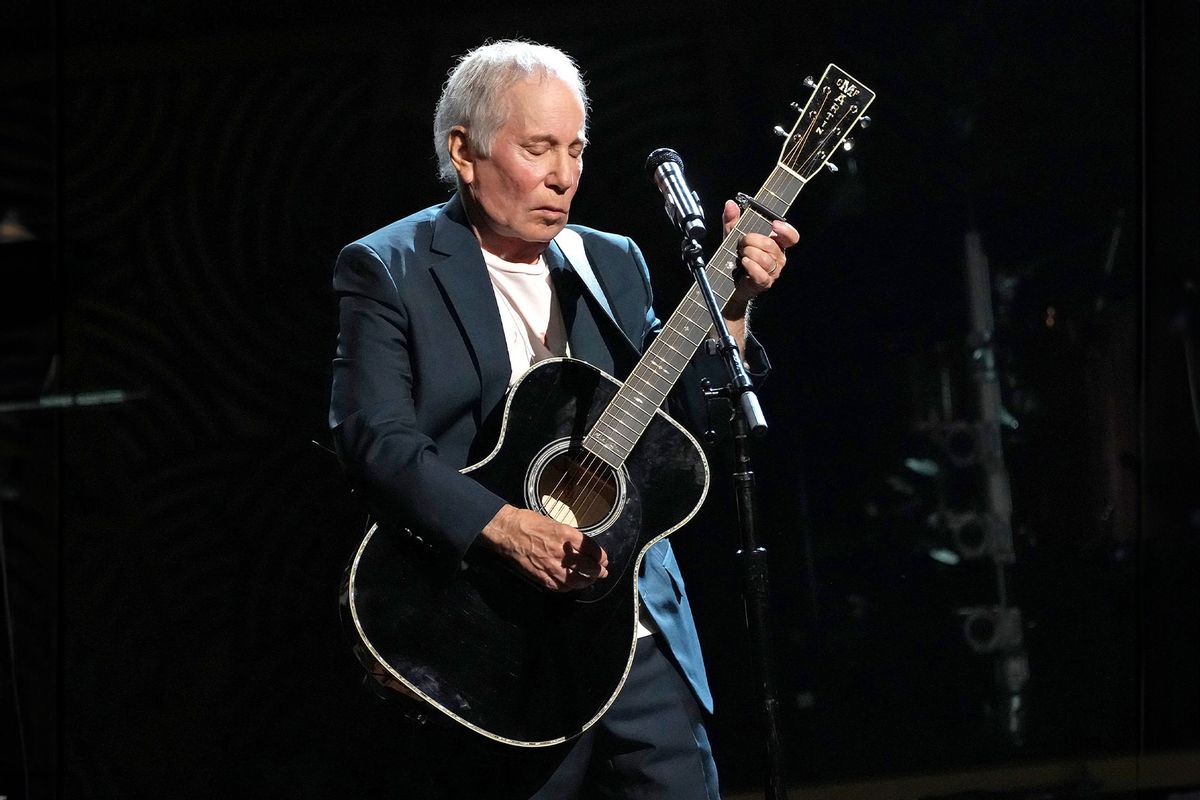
{"type": "Point", "coordinates": [622, 423]}
{"type": "Point", "coordinates": [835, 107]}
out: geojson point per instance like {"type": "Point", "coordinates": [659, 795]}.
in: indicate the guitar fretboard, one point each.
{"type": "Point", "coordinates": [623, 422]}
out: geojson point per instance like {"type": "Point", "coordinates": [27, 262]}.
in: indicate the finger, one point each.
{"type": "Point", "coordinates": [557, 582]}
{"type": "Point", "coordinates": [587, 553]}
{"type": "Point", "coordinates": [595, 552]}
{"type": "Point", "coordinates": [764, 253]}
{"type": "Point", "coordinates": [755, 279]}
{"type": "Point", "coordinates": [784, 233]}
{"type": "Point", "coordinates": [587, 562]}
{"type": "Point", "coordinates": [760, 265]}
{"type": "Point", "coordinates": [580, 578]}
{"type": "Point", "coordinates": [730, 214]}
{"type": "Point", "coordinates": [567, 577]}
{"type": "Point", "coordinates": [767, 244]}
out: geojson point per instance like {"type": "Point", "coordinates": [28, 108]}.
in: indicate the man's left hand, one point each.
{"type": "Point", "coordinates": [761, 258]}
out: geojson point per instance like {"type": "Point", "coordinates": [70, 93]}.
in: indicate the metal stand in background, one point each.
{"type": "Point", "coordinates": [995, 631]}
{"type": "Point", "coordinates": [746, 418]}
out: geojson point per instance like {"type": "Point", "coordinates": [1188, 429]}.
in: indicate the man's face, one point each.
{"type": "Point", "coordinates": [520, 195]}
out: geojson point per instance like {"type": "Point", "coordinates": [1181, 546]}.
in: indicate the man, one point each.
{"type": "Point", "coordinates": [439, 313]}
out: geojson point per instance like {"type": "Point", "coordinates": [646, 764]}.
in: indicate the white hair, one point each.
{"type": "Point", "coordinates": [473, 95]}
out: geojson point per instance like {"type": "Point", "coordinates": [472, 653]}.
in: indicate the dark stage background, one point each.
{"type": "Point", "coordinates": [177, 181]}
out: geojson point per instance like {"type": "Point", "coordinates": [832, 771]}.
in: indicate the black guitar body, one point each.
{"type": "Point", "coordinates": [509, 660]}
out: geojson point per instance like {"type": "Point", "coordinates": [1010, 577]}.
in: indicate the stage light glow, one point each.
{"type": "Point", "coordinates": [944, 555]}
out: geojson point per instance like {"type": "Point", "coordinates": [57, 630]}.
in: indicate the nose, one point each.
{"type": "Point", "coordinates": [564, 172]}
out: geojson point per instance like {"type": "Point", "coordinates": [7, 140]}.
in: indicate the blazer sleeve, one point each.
{"type": "Point", "coordinates": [394, 464]}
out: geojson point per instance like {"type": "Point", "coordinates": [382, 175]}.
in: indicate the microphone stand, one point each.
{"type": "Point", "coordinates": [746, 417]}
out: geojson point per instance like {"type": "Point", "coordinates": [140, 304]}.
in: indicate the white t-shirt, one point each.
{"type": "Point", "coordinates": [533, 324]}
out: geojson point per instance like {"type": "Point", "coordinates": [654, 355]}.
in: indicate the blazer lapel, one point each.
{"type": "Point", "coordinates": [587, 312]}
{"type": "Point", "coordinates": [464, 279]}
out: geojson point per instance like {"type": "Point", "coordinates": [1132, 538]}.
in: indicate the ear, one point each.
{"type": "Point", "coordinates": [461, 154]}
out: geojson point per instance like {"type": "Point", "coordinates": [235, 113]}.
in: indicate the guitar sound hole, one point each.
{"type": "Point", "coordinates": [576, 488]}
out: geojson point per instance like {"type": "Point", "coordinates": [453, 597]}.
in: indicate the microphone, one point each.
{"type": "Point", "coordinates": [683, 205]}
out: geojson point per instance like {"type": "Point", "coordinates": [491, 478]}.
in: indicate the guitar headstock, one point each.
{"type": "Point", "coordinates": [835, 107]}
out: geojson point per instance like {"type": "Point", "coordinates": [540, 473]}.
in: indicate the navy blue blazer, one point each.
{"type": "Point", "coordinates": [422, 363]}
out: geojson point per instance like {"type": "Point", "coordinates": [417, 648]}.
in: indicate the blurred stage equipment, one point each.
{"type": "Point", "coordinates": [983, 529]}
{"type": "Point", "coordinates": [29, 367]}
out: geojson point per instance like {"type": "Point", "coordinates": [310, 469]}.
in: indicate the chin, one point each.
{"type": "Point", "coordinates": [544, 233]}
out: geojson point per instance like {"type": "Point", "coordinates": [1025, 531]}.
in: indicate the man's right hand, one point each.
{"type": "Point", "coordinates": [550, 554]}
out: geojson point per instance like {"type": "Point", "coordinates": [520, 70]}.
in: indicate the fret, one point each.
{"type": "Point", "coordinates": [673, 349]}
{"type": "Point", "coordinates": [722, 284]}
{"type": "Point", "coordinates": [794, 174]}
{"type": "Point", "coordinates": [658, 364]}
{"type": "Point", "coordinates": [636, 408]}
{"type": "Point", "coordinates": [774, 196]}
{"type": "Point", "coordinates": [660, 371]}
{"type": "Point", "coordinates": [612, 431]}
{"type": "Point", "coordinates": [633, 421]}
{"type": "Point", "coordinates": [685, 343]}
{"type": "Point", "coordinates": [686, 327]}
{"type": "Point", "coordinates": [605, 449]}
{"type": "Point", "coordinates": [645, 402]}
{"type": "Point", "coordinates": [676, 337]}
{"type": "Point", "coordinates": [695, 309]}
{"type": "Point", "coordinates": [780, 191]}
{"type": "Point", "coordinates": [643, 398]}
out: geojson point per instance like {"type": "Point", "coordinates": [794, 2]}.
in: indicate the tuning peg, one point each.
{"type": "Point", "coordinates": [864, 122]}
{"type": "Point", "coordinates": [832, 167]}
{"type": "Point", "coordinates": [796, 107]}
{"type": "Point", "coordinates": [779, 131]}
{"type": "Point", "coordinates": [809, 82]}
{"type": "Point", "coordinates": [848, 145]}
